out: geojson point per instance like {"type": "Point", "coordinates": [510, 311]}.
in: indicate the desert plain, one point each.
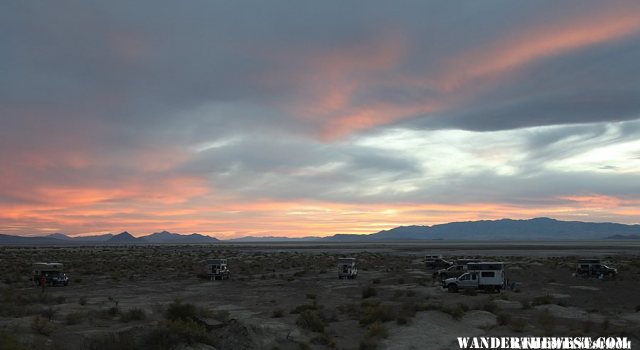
{"type": "Point", "coordinates": [288, 296]}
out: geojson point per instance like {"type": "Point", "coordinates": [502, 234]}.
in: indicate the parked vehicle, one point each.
{"type": "Point", "coordinates": [436, 262]}
{"type": "Point", "coordinates": [452, 271]}
{"type": "Point", "coordinates": [217, 269]}
{"type": "Point", "coordinates": [347, 268]}
{"type": "Point", "coordinates": [53, 274]}
{"type": "Point", "coordinates": [488, 276]}
{"type": "Point", "coordinates": [594, 267]}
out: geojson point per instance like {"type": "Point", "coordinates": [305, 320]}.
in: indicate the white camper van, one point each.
{"type": "Point", "coordinates": [217, 269]}
{"type": "Point", "coordinates": [347, 268]}
{"type": "Point", "coordinates": [488, 276]}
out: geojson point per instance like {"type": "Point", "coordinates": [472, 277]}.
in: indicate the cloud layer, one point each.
{"type": "Point", "coordinates": [247, 117]}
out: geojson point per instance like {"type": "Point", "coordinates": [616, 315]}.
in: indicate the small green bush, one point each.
{"type": "Point", "coordinates": [469, 292]}
{"type": "Point", "coordinates": [377, 330]}
{"type": "Point", "coordinates": [376, 313]}
{"type": "Point", "coordinates": [542, 300]}
{"type": "Point", "coordinates": [49, 313]}
{"type": "Point", "coordinates": [369, 292]}
{"type": "Point", "coordinates": [113, 341]}
{"type": "Point", "coordinates": [309, 319]}
{"type": "Point", "coordinates": [171, 333]}
{"type": "Point", "coordinates": [42, 326]}
{"type": "Point", "coordinates": [324, 339]}
{"type": "Point", "coordinates": [547, 321]}
{"type": "Point", "coordinates": [490, 306]}
{"type": "Point", "coordinates": [180, 311]}
{"type": "Point", "coordinates": [368, 344]}
{"type": "Point", "coordinates": [9, 342]}
{"type": "Point", "coordinates": [74, 317]}
{"type": "Point", "coordinates": [304, 307]}
{"type": "Point", "coordinates": [277, 313]}
{"type": "Point", "coordinates": [456, 311]}
{"type": "Point", "coordinates": [134, 314]}
{"type": "Point", "coordinates": [518, 324]}
{"type": "Point", "coordinates": [503, 319]}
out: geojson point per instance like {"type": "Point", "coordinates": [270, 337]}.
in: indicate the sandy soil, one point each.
{"type": "Point", "coordinates": [260, 307]}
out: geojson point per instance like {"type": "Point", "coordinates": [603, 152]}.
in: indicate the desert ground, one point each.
{"type": "Point", "coordinates": [288, 296]}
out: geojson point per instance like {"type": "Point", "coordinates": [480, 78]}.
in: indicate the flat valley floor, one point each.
{"type": "Point", "coordinates": [288, 296]}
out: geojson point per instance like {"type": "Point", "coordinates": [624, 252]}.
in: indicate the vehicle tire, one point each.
{"type": "Point", "coordinates": [452, 288]}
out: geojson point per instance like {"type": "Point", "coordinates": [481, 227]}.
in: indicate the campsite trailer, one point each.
{"type": "Point", "coordinates": [53, 274]}
{"type": "Point", "coordinates": [217, 269]}
{"type": "Point", "coordinates": [347, 268]}
{"type": "Point", "coordinates": [487, 276]}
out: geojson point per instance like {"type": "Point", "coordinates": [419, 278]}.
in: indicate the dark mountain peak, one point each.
{"type": "Point", "coordinates": [543, 219]}
{"type": "Point", "coordinates": [162, 234]}
{"type": "Point", "coordinates": [125, 237]}
{"type": "Point", "coordinates": [59, 236]}
{"type": "Point", "coordinates": [168, 237]}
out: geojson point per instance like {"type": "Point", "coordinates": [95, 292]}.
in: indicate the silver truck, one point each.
{"type": "Point", "coordinates": [488, 276]}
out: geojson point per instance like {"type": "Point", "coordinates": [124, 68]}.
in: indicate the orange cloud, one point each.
{"type": "Point", "coordinates": [330, 82]}
{"type": "Point", "coordinates": [601, 201]}
{"type": "Point", "coordinates": [520, 48]}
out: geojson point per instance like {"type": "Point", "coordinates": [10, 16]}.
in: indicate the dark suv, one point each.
{"type": "Point", "coordinates": [436, 262]}
{"type": "Point", "coordinates": [595, 269]}
{"type": "Point", "coordinates": [53, 278]}
{"type": "Point", "coordinates": [452, 271]}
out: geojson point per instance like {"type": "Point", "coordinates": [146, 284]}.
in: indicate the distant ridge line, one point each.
{"type": "Point", "coordinates": [535, 229]}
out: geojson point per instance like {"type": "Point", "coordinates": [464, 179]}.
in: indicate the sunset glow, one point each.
{"type": "Point", "coordinates": [322, 119]}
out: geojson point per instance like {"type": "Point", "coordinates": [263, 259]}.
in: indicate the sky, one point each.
{"type": "Point", "coordinates": [311, 118]}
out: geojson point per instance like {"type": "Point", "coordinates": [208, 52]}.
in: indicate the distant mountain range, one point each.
{"type": "Point", "coordinates": [273, 239]}
{"type": "Point", "coordinates": [504, 229]}
{"type": "Point", "coordinates": [624, 237]}
{"type": "Point", "coordinates": [168, 237]}
{"type": "Point", "coordinates": [119, 239]}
